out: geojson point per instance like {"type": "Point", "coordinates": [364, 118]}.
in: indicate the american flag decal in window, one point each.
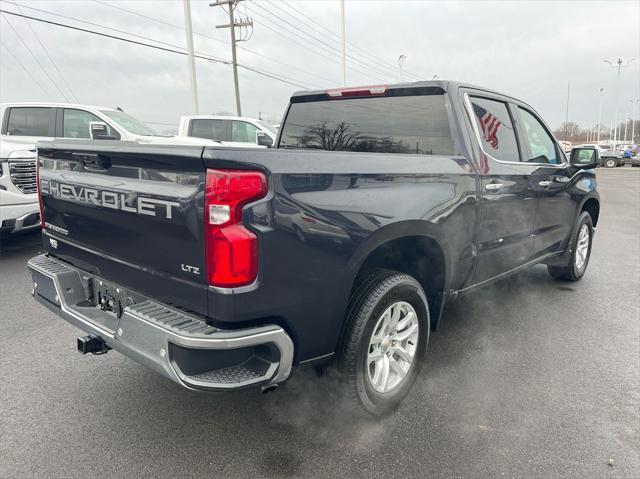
{"type": "Point", "coordinates": [490, 125]}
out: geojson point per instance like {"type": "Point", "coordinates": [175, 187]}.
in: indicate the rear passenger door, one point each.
{"type": "Point", "coordinates": [552, 180]}
{"type": "Point", "coordinates": [211, 129]}
{"type": "Point", "coordinates": [508, 199]}
{"type": "Point", "coordinates": [30, 122]}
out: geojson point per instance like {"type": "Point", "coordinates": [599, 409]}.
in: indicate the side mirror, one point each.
{"type": "Point", "coordinates": [585, 157]}
{"type": "Point", "coordinates": [99, 131]}
{"type": "Point", "coordinates": [263, 139]}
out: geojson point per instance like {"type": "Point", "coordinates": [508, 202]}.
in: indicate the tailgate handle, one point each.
{"type": "Point", "coordinates": [93, 162]}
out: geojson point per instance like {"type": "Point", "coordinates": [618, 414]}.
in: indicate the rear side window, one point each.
{"type": "Point", "coordinates": [417, 125]}
{"type": "Point", "coordinates": [495, 128]}
{"type": "Point", "coordinates": [243, 132]}
{"type": "Point", "coordinates": [30, 122]}
{"type": "Point", "coordinates": [542, 148]}
{"type": "Point", "coordinates": [75, 124]}
{"type": "Point", "coordinates": [210, 129]}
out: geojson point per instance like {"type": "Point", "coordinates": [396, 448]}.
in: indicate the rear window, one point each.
{"type": "Point", "coordinates": [417, 125]}
{"type": "Point", "coordinates": [29, 121]}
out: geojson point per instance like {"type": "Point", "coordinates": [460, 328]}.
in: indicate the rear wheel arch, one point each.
{"type": "Point", "coordinates": [412, 247]}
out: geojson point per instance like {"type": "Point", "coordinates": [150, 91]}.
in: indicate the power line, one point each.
{"type": "Point", "coordinates": [315, 49]}
{"type": "Point", "coordinates": [46, 52]}
{"type": "Point", "coordinates": [374, 68]}
{"type": "Point", "coordinates": [318, 43]}
{"type": "Point", "coordinates": [24, 68]}
{"type": "Point", "coordinates": [201, 56]}
{"type": "Point", "coordinates": [311, 22]}
{"type": "Point", "coordinates": [200, 34]}
{"type": "Point", "coordinates": [35, 58]}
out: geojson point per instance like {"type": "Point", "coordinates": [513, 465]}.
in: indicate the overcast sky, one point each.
{"type": "Point", "coordinates": [527, 49]}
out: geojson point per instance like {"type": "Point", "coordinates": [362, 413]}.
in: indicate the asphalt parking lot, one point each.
{"type": "Point", "coordinates": [529, 378]}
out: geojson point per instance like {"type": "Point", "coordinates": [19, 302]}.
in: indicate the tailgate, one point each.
{"type": "Point", "coordinates": [130, 214]}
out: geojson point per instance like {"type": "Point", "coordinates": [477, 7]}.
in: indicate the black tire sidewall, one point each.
{"type": "Point", "coordinates": [374, 401]}
{"type": "Point", "coordinates": [585, 218]}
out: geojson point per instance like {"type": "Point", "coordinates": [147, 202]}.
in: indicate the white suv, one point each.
{"type": "Point", "coordinates": [18, 197]}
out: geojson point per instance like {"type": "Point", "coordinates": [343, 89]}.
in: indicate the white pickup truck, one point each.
{"type": "Point", "coordinates": [233, 131]}
{"type": "Point", "coordinates": [24, 124]}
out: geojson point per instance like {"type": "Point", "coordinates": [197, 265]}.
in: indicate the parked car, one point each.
{"type": "Point", "coordinates": [608, 159]}
{"type": "Point", "coordinates": [197, 270]}
{"type": "Point", "coordinates": [30, 122]}
{"type": "Point", "coordinates": [232, 131]}
{"type": "Point", "coordinates": [566, 146]}
{"type": "Point", "coordinates": [18, 198]}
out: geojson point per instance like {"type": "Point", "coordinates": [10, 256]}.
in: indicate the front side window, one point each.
{"type": "Point", "coordinates": [542, 148]}
{"type": "Point", "coordinates": [414, 125]}
{"type": "Point", "coordinates": [29, 121]}
{"type": "Point", "coordinates": [243, 132]}
{"type": "Point", "coordinates": [495, 128]}
{"type": "Point", "coordinates": [129, 123]}
{"type": "Point", "coordinates": [75, 124]}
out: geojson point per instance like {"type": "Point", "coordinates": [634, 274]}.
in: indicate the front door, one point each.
{"type": "Point", "coordinates": [508, 198]}
{"type": "Point", "coordinates": [552, 181]}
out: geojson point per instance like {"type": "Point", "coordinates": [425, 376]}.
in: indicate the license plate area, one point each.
{"type": "Point", "coordinates": [111, 299]}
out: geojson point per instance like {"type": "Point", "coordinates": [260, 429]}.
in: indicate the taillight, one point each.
{"type": "Point", "coordinates": [39, 193]}
{"type": "Point", "coordinates": [231, 249]}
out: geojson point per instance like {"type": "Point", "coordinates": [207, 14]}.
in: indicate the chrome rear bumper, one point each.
{"type": "Point", "coordinates": [180, 346]}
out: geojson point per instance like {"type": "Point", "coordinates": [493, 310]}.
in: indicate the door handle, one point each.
{"type": "Point", "coordinates": [545, 184]}
{"type": "Point", "coordinates": [562, 179]}
{"type": "Point", "coordinates": [493, 186]}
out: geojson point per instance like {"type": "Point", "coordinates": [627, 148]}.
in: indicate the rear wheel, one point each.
{"type": "Point", "coordinates": [384, 342]}
{"type": "Point", "coordinates": [580, 252]}
{"type": "Point", "coordinates": [610, 162]}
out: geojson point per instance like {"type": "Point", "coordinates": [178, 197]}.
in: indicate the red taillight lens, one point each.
{"type": "Point", "coordinates": [231, 249]}
{"type": "Point", "coordinates": [39, 193]}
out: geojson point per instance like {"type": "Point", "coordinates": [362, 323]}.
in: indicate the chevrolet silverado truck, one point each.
{"type": "Point", "coordinates": [223, 268]}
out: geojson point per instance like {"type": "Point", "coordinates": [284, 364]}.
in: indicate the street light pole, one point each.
{"type": "Point", "coordinates": [633, 121]}
{"type": "Point", "coordinates": [344, 45]}
{"type": "Point", "coordinates": [617, 64]}
{"type": "Point", "coordinates": [600, 114]}
{"type": "Point", "coordinates": [566, 120]}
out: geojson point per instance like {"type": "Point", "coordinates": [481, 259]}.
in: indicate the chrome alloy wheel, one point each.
{"type": "Point", "coordinates": [392, 346]}
{"type": "Point", "coordinates": [582, 247]}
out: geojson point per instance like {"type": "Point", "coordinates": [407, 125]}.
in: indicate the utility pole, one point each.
{"type": "Point", "coordinates": [401, 60]}
{"type": "Point", "coordinates": [232, 4]}
{"type": "Point", "coordinates": [600, 115]}
{"type": "Point", "coordinates": [344, 45]}
{"type": "Point", "coordinates": [566, 120]}
{"type": "Point", "coordinates": [617, 64]}
{"type": "Point", "coordinates": [192, 63]}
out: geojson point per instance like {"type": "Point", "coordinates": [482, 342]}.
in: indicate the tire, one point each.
{"type": "Point", "coordinates": [579, 258]}
{"type": "Point", "coordinates": [360, 361]}
{"type": "Point", "coordinates": [610, 162]}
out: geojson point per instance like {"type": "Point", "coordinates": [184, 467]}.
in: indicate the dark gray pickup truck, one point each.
{"type": "Point", "coordinates": [223, 268]}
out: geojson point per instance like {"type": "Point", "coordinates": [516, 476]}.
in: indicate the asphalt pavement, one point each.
{"type": "Point", "coordinates": [528, 378]}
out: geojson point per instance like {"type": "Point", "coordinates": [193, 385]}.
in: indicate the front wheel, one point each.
{"type": "Point", "coordinates": [384, 342]}
{"type": "Point", "coordinates": [580, 252]}
{"type": "Point", "coordinates": [610, 163]}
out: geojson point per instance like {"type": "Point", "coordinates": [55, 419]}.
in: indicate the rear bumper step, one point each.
{"type": "Point", "coordinates": [181, 347]}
